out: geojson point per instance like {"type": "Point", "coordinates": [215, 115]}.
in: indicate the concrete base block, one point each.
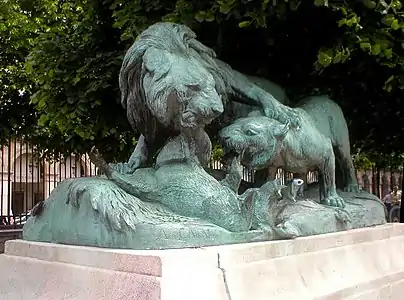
{"type": "Point", "coordinates": [360, 264]}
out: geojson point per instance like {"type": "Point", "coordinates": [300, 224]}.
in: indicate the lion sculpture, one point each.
{"type": "Point", "coordinates": [204, 197]}
{"type": "Point", "coordinates": [265, 142]}
{"type": "Point", "coordinates": [170, 81]}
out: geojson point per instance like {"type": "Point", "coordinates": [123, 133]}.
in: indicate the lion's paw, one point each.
{"type": "Point", "coordinates": [286, 230]}
{"type": "Point", "coordinates": [343, 216]}
{"type": "Point", "coordinates": [334, 200]}
{"type": "Point", "coordinates": [293, 118]}
{"type": "Point", "coordinates": [352, 188]}
{"type": "Point", "coordinates": [125, 168]}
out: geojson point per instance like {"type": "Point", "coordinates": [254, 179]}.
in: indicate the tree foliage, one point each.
{"type": "Point", "coordinates": [352, 50]}
{"type": "Point", "coordinates": [17, 31]}
{"type": "Point", "coordinates": [74, 64]}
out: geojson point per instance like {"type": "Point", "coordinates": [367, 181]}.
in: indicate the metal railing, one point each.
{"type": "Point", "coordinates": [27, 180]}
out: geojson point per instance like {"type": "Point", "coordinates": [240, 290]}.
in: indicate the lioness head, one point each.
{"type": "Point", "coordinates": [257, 139]}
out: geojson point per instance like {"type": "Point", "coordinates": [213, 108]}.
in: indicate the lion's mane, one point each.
{"type": "Point", "coordinates": [173, 38]}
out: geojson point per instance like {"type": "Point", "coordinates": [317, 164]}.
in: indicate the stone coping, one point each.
{"type": "Point", "coordinates": [348, 265]}
{"type": "Point", "coordinates": [150, 262]}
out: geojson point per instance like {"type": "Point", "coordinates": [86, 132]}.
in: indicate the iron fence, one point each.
{"type": "Point", "coordinates": [380, 182]}
{"type": "Point", "coordinates": [249, 175]}
{"type": "Point", "coordinates": [27, 180]}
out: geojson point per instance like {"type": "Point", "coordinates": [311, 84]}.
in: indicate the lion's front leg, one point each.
{"type": "Point", "coordinates": [233, 178]}
{"type": "Point", "coordinates": [331, 197]}
{"type": "Point", "coordinates": [256, 96]}
{"type": "Point", "coordinates": [137, 160]}
{"type": "Point", "coordinates": [251, 94]}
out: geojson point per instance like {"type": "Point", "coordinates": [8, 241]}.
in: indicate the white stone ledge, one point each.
{"type": "Point", "coordinates": [365, 263]}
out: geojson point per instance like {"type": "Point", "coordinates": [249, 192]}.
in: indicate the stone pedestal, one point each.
{"type": "Point", "coordinates": [358, 264]}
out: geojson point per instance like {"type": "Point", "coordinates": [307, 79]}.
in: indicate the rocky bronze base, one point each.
{"type": "Point", "coordinates": [307, 217]}
{"type": "Point", "coordinates": [126, 222]}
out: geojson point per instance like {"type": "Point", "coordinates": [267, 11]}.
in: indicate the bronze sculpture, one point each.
{"type": "Point", "coordinates": [175, 91]}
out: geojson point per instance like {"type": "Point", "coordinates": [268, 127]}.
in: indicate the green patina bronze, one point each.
{"type": "Point", "coordinates": [177, 95]}
{"type": "Point", "coordinates": [323, 137]}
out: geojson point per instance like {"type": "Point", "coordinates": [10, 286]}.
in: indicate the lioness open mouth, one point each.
{"type": "Point", "coordinates": [230, 147]}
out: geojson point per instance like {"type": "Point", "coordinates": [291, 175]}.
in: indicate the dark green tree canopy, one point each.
{"type": "Point", "coordinates": [73, 49]}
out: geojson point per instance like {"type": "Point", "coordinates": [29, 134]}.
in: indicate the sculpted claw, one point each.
{"type": "Point", "coordinates": [286, 230]}
{"type": "Point", "coordinates": [352, 188]}
{"type": "Point", "coordinates": [343, 216]}
{"type": "Point", "coordinates": [125, 168]}
{"type": "Point", "coordinates": [334, 200]}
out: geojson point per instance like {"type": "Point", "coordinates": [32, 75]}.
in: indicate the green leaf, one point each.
{"type": "Point", "coordinates": [43, 119]}
{"type": "Point", "coordinates": [209, 17]}
{"type": "Point", "coordinates": [319, 2]}
{"type": "Point", "coordinates": [244, 24]}
{"type": "Point", "coordinates": [395, 24]}
{"type": "Point", "coordinates": [365, 46]}
{"type": "Point", "coordinates": [80, 132]}
{"type": "Point", "coordinates": [342, 22]}
{"type": "Point", "coordinates": [324, 59]}
{"type": "Point", "coordinates": [28, 67]}
{"type": "Point", "coordinates": [388, 20]}
{"type": "Point", "coordinates": [376, 49]}
{"type": "Point", "coordinates": [369, 4]}
{"type": "Point", "coordinates": [200, 16]}
{"type": "Point", "coordinates": [41, 103]}
{"type": "Point", "coordinates": [225, 8]}
{"type": "Point", "coordinates": [352, 21]}
{"type": "Point", "coordinates": [388, 53]}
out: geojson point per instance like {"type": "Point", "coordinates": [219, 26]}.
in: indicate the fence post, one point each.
{"type": "Point", "coordinates": [385, 185]}
{"type": "Point", "coordinates": [402, 196]}
{"type": "Point", "coordinates": [393, 180]}
{"type": "Point", "coordinates": [375, 181]}
{"type": "Point", "coordinates": [366, 182]}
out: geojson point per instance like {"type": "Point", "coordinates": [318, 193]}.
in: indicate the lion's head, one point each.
{"type": "Point", "coordinates": [257, 139]}
{"type": "Point", "coordinates": [169, 80]}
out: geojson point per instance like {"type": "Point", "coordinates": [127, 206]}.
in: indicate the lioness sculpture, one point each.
{"type": "Point", "coordinates": [265, 142]}
{"type": "Point", "coordinates": [169, 81]}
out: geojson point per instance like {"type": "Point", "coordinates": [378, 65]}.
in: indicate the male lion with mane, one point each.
{"type": "Point", "coordinates": [170, 81]}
